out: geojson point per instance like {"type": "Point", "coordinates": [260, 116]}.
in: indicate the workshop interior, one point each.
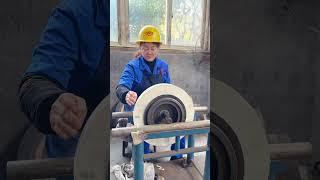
{"type": "Point", "coordinates": [243, 94]}
{"type": "Point", "coordinates": [164, 150]}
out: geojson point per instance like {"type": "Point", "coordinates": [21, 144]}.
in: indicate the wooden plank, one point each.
{"type": "Point", "coordinates": [123, 21]}
{"type": "Point", "coordinates": [169, 22]}
{"type": "Point", "coordinates": [205, 32]}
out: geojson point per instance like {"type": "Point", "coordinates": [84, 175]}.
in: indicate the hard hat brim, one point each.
{"type": "Point", "coordinates": [146, 41]}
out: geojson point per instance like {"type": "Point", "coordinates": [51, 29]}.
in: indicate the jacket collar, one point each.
{"type": "Point", "coordinates": [143, 66]}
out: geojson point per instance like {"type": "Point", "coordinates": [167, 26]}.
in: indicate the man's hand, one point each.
{"type": "Point", "coordinates": [67, 115]}
{"type": "Point", "coordinates": [131, 98]}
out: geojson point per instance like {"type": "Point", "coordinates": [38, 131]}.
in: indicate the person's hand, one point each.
{"type": "Point", "coordinates": [67, 115]}
{"type": "Point", "coordinates": [131, 98]}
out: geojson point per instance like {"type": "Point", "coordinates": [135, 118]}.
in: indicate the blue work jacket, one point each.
{"type": "Point", "coordinates": [71, 51]}
{"type": "Point", "coordinates": [137, 76]}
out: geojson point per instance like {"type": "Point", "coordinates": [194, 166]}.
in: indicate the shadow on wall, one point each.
{"type": "Point", "coordinates": [266, 51]}
{"type": "Point", "coordinates": [21, 25]}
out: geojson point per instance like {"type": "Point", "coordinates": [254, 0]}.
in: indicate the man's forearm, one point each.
{"type": "Point", "coordinates": [36, 95]}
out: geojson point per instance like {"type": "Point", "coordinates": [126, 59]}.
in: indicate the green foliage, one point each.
{"type": "Point", "coordinates": [186, 22]}
{"type": "Point", "coordinates": [144, 12]}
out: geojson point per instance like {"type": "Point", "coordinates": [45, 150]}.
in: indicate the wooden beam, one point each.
{"type": "Point", "coordinates": [123, 21]}
{"type": "Point", "coordinates": [169, 22]}
{"type": "Point", "coordinates": [205, 32]}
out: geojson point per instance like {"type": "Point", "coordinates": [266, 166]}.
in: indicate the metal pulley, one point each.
{"type": "Point", "coordinates": [163, 104]}
{"type": "Point", "coordinates": [165, 109]}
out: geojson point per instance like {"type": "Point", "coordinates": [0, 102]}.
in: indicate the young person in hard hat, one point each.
{"type": "Point", "coordinates": [145, 70]}
{"type": "Point", "coordinates": [67, 77]}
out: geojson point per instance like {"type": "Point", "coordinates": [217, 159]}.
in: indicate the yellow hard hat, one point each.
{"type": "Point", "coordinates": [149, 33]}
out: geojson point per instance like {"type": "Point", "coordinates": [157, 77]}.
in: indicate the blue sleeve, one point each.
{"type": "Point", "coordinates": [127, 76]}
{"type": "Point", "coordinates": [58, 48]}
{"type": "Point", "coordinates": [167, 77]}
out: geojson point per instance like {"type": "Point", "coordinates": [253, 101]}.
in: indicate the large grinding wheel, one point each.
{"type": "Point", "coordinates": [240, 145]}
{"type": "Point", "coordinates": [163, 103]}
{"type": "Point", "coordinates": [91, 161]}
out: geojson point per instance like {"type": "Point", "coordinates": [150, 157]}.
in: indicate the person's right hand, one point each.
{"type": "Point", "coordinates": [131, 98]}
{"type": "Point", "coordinates": [67, 115]}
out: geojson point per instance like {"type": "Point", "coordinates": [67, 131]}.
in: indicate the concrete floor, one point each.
{"type": "Point", "coordinates": [171, 169]}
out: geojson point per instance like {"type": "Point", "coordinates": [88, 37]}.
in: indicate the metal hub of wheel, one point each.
{"type": "Point", "coordinates": [163, 103]}
{"type": "Point", "coordinates": [165, 109]}
{"type": "Point", "coordinates": [228, 163]}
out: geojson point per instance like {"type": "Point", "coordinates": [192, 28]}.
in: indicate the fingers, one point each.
{"type": "Point", "coordinates": [74, 103]}
{"type": "Point", "coordinates": [82, 107]}
{"type": "Point", "coordinates": [130, 101]}
{"type": "Point", "coordinates": [69, 100]}
{"type": "Point", "coordinates": [55, 127]}
{"type": "Point", "coordinates": [131, 98]}
{"type": "Point", "coordinates": [58, 107]}
{"type": "Point", "coordinates": [72, 120]}
{"type": "Point", "coordinates": [67, 115]}
{"type": "Point", "coordinates": [61, 128]}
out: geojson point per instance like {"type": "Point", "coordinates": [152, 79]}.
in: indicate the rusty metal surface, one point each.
{"type": "Point", "coordinates": [91, 162]}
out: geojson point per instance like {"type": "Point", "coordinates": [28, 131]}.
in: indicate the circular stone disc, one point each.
{"type": "Point", "coordinates": [90, 162]}
{"type": "Point", "coordinates": [244, 121]}
{"type": "Point", "coordinates": [151, 93]}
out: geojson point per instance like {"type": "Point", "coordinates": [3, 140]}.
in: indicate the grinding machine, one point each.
{"type": "Point", "coordinates": [162, 115]}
